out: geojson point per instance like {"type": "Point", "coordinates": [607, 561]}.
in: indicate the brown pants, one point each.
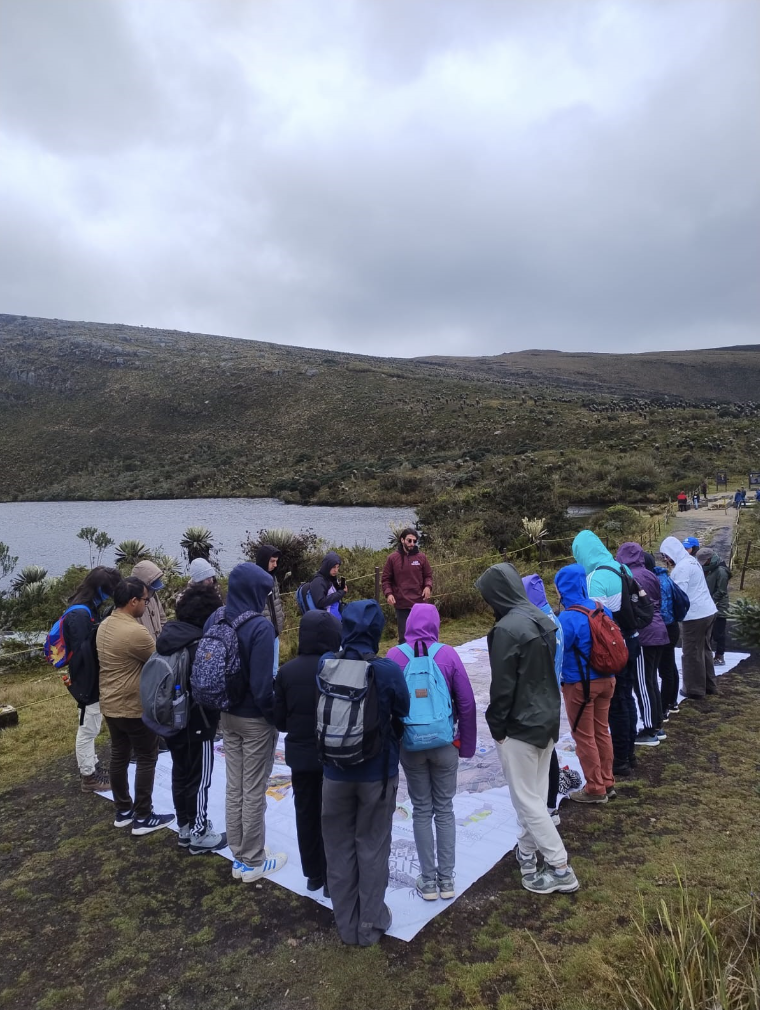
{"type": "Point", "coordinates": [593, 743]}
{"type": "Point", "coordinates": [698, 669]}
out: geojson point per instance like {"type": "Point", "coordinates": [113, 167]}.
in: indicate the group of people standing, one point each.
{"type": "Point", "coordinates": [344, 809]}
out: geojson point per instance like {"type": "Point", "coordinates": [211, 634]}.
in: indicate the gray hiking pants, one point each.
{"type": "Point", "coordinates": [356, 830]}
{"type": "Point", "coordinates": [249, 745]}
{"type": "Point", "coordinates": [431, 778]}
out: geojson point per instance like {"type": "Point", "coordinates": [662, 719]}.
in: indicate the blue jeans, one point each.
{"type": "Point", "coordinates": [431, 777]}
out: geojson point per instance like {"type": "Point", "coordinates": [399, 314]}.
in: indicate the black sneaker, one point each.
{"type": "Point", "coordinates": [621, 770]}
{"type": "Point", "coordinates": [123, 818]}
{"type": "Point", "coordinates": [144, 825]}
{"type": "Point", "coordinates": [314, 883]}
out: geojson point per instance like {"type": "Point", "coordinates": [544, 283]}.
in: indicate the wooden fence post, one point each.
{"type": "Point", "coordinates": [744, 566]}
{"type": "Point", "coordinates": [377, 583]}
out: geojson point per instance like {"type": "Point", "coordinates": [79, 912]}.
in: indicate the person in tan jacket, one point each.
{"type": "Point", "coordinates": [123, 647]}
{"type": "Point", "coordinates": [153, 617]}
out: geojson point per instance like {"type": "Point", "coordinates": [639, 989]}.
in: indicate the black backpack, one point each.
{"type": "Point", "coordinates": [636, 608]}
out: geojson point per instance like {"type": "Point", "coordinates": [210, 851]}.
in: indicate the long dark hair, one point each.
{"type": "Point", "coordinates": [95, 581]}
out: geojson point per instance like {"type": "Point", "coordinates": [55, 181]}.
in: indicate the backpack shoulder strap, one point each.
{"type": "Point", "coordinates": [407, 650]}
{"type": "Point", "coordinates": [241, 619]}
{"type": "Point", "coordinates": [588, 611]}
{"type": "Point", "coordinates": [435, 648]}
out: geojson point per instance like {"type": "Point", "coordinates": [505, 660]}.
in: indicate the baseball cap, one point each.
{"type": "Point", "coordinates": [691, 542]}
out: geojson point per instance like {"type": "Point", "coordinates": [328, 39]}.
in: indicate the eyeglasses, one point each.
{"type": "Point", "coordinates": [143, 599]}
{"type": "Point", "coordinates": [410, 540]}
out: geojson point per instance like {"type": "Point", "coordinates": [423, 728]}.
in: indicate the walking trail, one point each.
{"type": "Point", "coordinates": [713, 527]}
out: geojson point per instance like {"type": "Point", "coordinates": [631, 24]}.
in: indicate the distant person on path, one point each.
{"type": "Point", "coordinates": [704, 489]}
{"type": "Point", "coordinates": [523, 717]}
{"type": "Point", "coordinates": [667, 668]}
{"type": "Point", "coordinates": [695, 500]}
{"type": "Point", "coordinates": [536, 593]}
{"type": "Point", "coordinates": [431, 775]}
{"type": "Point", "coordinates": [407, 578]}
{"type": "Point", "coordinates": [738, 499]}
{"type": "Point", "coordinates": [153, 618]}
{"type": "Point", "coordinates": [250, 736]}
{"type": "Point", "coordinates": [326, 589]}
{"type": "Point", "coordinates": [192, 749]}
{"type": "Point", "coordinates": [589, 718]}
{"type": "Point", "coordinates": [295, 708]}
{"type": "Point", "coordinates": [268, 557]}
{"type": "Point", "coordinates": [717, 575]}
{"type": "Point", "coordinates": [683, 501]}
{"type": "Point", "coordinates": [691, 546]}
{"type": "Point", "coordinates": [79, 628]}
{"type": "Point", "coordinates": [124, 646]}
{"type": "Point", "coordinates": [653, 640]}
{"type": "Point", "coordinates": [359, 800]}
{"type": "Point", "coordinates": [696, 628]}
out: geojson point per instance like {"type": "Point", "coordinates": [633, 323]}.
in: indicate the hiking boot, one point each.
{"type": "Point", "coordinates": [646, 738]}
{"type": "Point", "coordinates": [554, 814]}
{"type": "Point", "coordinates": [446, 888]}
{"type": "Point", "coordinates": [719, 661]}
{"type": "Point", "coordinates": [581, 796]}
{"type": "Point", "coordinates": [314, 883]}
{"type": "Point", "coordinates": [98, 782]}
{"type": "Point", "coordinates": [427, 889]}
{"type": "Point", "coordinates": [184, 836]}
{"type": "Point", "coordinates": [611, 793]}
{"type": "Point", "coordinates": [144, 825]}
{"type": "Point", "coordinates": [622, 770]}
{"type": "Point", "coordinates": [271, 864]}
{"type": "Point", "coordinates": [528, 864]}
{"type": "Point", "coordinates": [123, 818]}
{"type": "Point", "coordinates": [550, 880]}
{"type": "Point", "coordinates": [207, 841]}
{"type": "Point", "coordinates": [661, 734]}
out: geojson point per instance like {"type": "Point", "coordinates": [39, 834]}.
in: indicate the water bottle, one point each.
{"type": "Point", "coordinates": [179, 708]}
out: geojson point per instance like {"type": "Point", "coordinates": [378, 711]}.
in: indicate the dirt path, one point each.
{"type": "Point", "coordinates": [713, 527]}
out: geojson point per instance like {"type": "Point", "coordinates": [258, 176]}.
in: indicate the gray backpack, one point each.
{"type": "Point", "coordinates": [348, 719]}
{"type": "Point", "coordinates": [164, 692]}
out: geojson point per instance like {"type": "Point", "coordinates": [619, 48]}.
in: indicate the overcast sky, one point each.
{"type": "Point", "coordinates": [397, 177]}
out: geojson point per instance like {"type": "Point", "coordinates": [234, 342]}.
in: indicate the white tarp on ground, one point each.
{"type": "Point", "coordinates": [486, 823]}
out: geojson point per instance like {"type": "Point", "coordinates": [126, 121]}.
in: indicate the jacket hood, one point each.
{"type": "Point", "coordinates": [318, 632]}
{"type": "Point", "coordinates": [534, 588]}
{"type": "Point", "coordinates": [423, 624]}
{"type": "Point", "coordinates": [363, 624]}
{"type": "Point", "coordinates": [265, 553]}
{"type": "Point", "coordinates": [247, 589]}
{"type": "Point", "coordinates": [589, 551]}
{"type": "Point", "coordinates": [502, 589]}
{"type": "Point", "coordinates": [329, 561]}
{"type": "Point", "coordinates": [571, 586]}
{"type": "Point", "coordinates": [148, 571]}
{"type": "Point", "coordinates": [176, 635]}
{"type": "Point", "coordinates": [630, 553]}
{"type": "Point", "coordinates": [674, 549]}
{"type": "Point", "coordinates": [649, 562]}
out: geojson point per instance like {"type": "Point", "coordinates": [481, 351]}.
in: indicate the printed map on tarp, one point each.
{"type": "Point", "coordinates": [486, 823]}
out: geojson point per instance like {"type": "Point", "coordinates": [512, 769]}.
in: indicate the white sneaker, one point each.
{"type": "Point", "coordinates": [271, 864]}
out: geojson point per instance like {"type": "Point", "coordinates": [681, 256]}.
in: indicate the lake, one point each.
{"type": "Point", "coordinates": [45, 533]}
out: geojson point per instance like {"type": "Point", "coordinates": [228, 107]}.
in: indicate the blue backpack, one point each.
{"type": "Point", "coordinates": [304, 602]}
{"type": "Point", "coordinates": [680, 602]}
{"type": "Point", "coordinates": [217, 679]}
{"type": "Point", "coordinates": [430, 722]}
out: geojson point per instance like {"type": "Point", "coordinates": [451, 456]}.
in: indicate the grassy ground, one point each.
{"type": "Point", "coordinates": [93, 917]}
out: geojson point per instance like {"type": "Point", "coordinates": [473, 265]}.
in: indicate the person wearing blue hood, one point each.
{"type": "Point", "coordinates": [588, 716]}
{"type": "Point", "coordinates": [249, 732]}
{"type": "Point", "coordinates": [606, 587]}
{"type": "Point", "coordinates": [358, 801]}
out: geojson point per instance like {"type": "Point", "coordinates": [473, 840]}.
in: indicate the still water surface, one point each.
{"type": "Point", "coordinates": [45, 533]}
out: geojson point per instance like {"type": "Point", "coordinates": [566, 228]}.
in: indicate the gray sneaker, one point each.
{"type": "Point", "coordinates": [184, 836]}
{"type": "Point", "coordinates": [528, 864]}
{"type": "Point", "coordinates": [207, 841]}
{"type": "Point", "coordinates": [427, 889]}
{"type": "Point", "coordinates": [446, 888]}
{"type": "Point", "coordinates": [549, 880]}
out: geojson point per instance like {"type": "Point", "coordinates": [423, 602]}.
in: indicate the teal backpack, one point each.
{"type": "Point", "coordinates": [430, 722]}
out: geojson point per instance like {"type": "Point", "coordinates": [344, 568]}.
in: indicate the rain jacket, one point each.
{"type": "Point", "coordinates": [602, 585]}
{"type": "Point", "coordinates": [248, 589]}
{"type": "Point", "coordinates": [424, 625]}
{"type": "Point", "coordinates": [716, 577]}
{"type": "Point", "coordinates": [201, 723]}
{"type": "Point", "coordinates": [295, 689]}
{"type": "Point", "coordinates": [571, 586]}
{"type": "Point", "coordinates": [405, 575]}
{"type": "Point", "coordinates": [363, 624]}
{"type": "Point", "coordinates": [524, 691]}
{"type": "Point", "coordinates": [153, 617]}
{"type": "Point", "coordinates": [631, 555]}
{"type": "Point", "coordinates": [688, 575]}
{"type": "Point", "coordinates": [325, 593]}
{"type": "Point", "coordinates": [534, 588]}
{"type": "Point", "coordinates": [274, 610]}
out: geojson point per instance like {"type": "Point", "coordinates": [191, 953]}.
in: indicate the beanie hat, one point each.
{"type": "Point", "coordinates": [704, 554]}
{"type": "Point", "coordinates": [201, 569]}
{"type": "Point", "coordinates": [690, 542]}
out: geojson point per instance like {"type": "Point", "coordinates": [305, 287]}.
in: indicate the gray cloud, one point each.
{"type": "Point", "coordinates": [385, 176]}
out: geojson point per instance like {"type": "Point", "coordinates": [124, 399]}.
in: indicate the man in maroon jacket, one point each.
{"type": "Point", "coordinates": [407, 578]}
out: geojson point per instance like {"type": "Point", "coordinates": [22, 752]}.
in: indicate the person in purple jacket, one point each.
{"type": "Point", "coordinates": [653, 638]}
{"type": "Point", "coordinates": [431, 775]}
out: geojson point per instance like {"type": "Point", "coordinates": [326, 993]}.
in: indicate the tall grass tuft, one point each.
{"type": "Point", "coordinates": [693, 959]}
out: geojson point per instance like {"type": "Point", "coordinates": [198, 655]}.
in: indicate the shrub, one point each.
{"type": "Point", "coordinates": [298, 553]}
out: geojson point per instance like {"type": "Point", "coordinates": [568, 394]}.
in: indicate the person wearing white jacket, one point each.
{"type": "Point", "coordinates": [696, 628]}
